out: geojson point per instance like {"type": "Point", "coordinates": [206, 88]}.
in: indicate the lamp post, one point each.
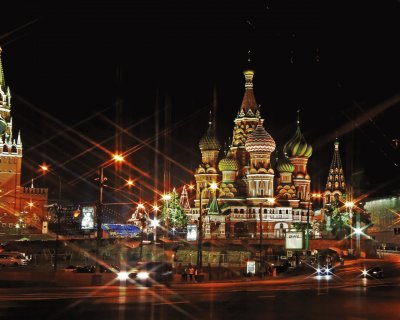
{"type": "Point", "coordinates": [270, 201]}
{"type": "Point", "coordinates": [349, 205]}
{"type": "Point", "coordinates": [199, 262]}
{"type": "Point", "coordinates": [99, 213]}
{"type": "Point", "coordinates": [166, 197]}
{"type": "Point", "coordinates": [45, 169]}
{"type": "Point", "coordinates": [312, 196]}
{"type": "Point", "coordinates": [142, 218]}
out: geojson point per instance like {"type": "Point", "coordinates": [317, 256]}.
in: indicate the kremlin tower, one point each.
{"type": "Point", "coordinates": [21, 207]}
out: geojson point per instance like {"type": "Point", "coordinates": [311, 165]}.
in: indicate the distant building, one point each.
{"type": "Point", "coordinates": [385, 218]}
{"type": "Point", "coordinates": [21, 207]}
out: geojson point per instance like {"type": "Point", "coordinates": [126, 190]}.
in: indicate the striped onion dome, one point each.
{"type": "Point", "coordinates": [260, 140]}
{"type": "Point", "coordinates": [297, 146]}
{"type": "Point", "coordinates": [284, 165]}
{"type": "Point", "coordinates": [209, 141]}
{"type": "Point", "coordinates": [228, 163]}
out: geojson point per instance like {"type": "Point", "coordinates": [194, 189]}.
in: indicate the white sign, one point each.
{"type": "Point", "coordinates": [289, 254]}
{"type": "Point", "coordinates": [294, 240]}
{"type": "Point", "coordinates": [87, 218]}
{"type": "Point", "coordinates": [191, 232]}
{"type": "Point", "coordinates": [251, 267]}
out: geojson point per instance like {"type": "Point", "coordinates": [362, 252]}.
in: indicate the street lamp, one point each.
{"type": "Point", "coordinates": [45, 169]}
{"type": "Point", "coordinates": [99, 214]}
{"type": "Point", "coordinates": [199, 262]}
{"type": "Point", "coordinates": [270, 202]}
{"type": "Point", "coordinates": [312, 196]}
{"type": "Point", "coordinates": [166, 197]}
{"type": "Point", "coordinates": [142, 216]}
{"type": "Point", "coordinates": [349, 205]}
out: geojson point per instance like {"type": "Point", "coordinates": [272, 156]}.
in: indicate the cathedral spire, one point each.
{"type": "Point", "coordinates": [184, 200]}
{"type": "Point", "coordinates": [249, 106]}
{"type": "Point", "coordinates": [2, 81]}
{"type": "Point", "coordinates": [335, 176]}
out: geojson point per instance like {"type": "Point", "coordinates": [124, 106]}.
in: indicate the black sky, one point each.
{"type": "Point", "coordinates": [66, 61]}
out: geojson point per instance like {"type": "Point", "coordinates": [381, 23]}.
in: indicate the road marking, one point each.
{"type": "Point", "coordinates": [171, 302]}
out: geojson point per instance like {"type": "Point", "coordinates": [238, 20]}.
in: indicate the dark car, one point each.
{"type": "Point", "coordinates": [373, 272]}
{"type": "Point", "coordinates": [325, 270]}
{"type": "Point", "coordinates": [151, 273]}
{"type": "Point", "coordinates": [85, 269]}
{"type": "Point", "coordinates": [109, 269]}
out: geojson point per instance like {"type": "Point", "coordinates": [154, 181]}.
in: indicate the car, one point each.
{"type": "Point", "coordinates": [325, 270]}
{"type": "Point", "coordinates": [70, 268]}
{"type": "Point", "coordinates": [109, 269]}
{"type": "Point", "coordinates": [373, 272]}
{"type": "Point", "coordinates": [151, 273]}
{"type": "Point", "coordinates": [13, 259]}
{"type": "Point", "coordinates": [85, 269]}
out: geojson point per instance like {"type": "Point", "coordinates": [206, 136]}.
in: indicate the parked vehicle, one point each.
{"type": "Point", "coordinates": [373, 272]}
{"type": "Point", "coordinates": [70, 268]}
{"type": "Point", "coordinates": [325, 270]}
{"type": "Point", "coordinates": [151, 273]}
{"type": "Point", "coordinates": [13, 259]}
{"type": "Point", "coordinates": [85, 269]}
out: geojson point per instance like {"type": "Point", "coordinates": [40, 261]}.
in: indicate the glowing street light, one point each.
{"type": "Point", "coordinates": [45, 169]}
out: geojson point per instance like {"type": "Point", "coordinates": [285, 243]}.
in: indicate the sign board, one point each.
{"type": "Point", "coordinates": [44, 227]}
{"type": "Point", "coordinates": [87, 218]}
{"type": "Point", "coordinates": [294, 240]}
{"type": "Point", "coordinates": [191, 234]}
{"type": "Point", "coordinates": [251, 267]}
{"type": "Point", "coordinates": [289, 254]}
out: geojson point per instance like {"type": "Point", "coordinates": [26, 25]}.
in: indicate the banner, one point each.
{"type": "Point", "coordinates": [294, 240]}
{"type": "Point", "coordinates": [191, 232]}
{"type": "Point", "coordinates": [87, 218]}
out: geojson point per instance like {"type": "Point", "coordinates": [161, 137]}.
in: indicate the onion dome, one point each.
{"type": "Point", "coordinates": [284, 165]}
{"type": "Point", "coordinates": [228, 163]}
{"type": "Point", "coordinates": [260, 140]}
{"type": "Point", "coordinates": [297, 146]}
{"type": "Point", "coordinates": [209, 141]}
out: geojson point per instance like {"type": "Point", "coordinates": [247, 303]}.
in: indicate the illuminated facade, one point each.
{"type": "Point", "coordinates": [21, 207]}
{"type": "Point", "coordinates": [250, 193]}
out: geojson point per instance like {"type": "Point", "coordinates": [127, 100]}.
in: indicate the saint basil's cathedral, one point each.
{"type": "Point", "coordinates": [251, 192]}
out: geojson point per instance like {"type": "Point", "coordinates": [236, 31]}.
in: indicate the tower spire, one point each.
{"type": "Point", "coordinates": [249, 106]}
{"type": "Point", "coordinates": [335, 182]}
{"type": "Point", "coordinates": [2, 80]}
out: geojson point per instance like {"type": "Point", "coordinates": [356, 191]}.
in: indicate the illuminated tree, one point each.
{"type": "Point", "coordinates": [172, 213]}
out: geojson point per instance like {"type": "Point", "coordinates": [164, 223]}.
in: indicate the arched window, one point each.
{"type": "Point", "coordinates": [13, 149]}
{"type": "Point", "coordinates": [5, 148]}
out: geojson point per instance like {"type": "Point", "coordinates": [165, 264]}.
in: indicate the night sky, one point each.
{"type": "Point", "coordinates": [78, 68]}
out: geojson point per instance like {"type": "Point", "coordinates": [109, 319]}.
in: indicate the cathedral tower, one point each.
{"type": "Point", "coordinates": [299, 151]}
{"type": "Point", "coordinates": [335, 186]}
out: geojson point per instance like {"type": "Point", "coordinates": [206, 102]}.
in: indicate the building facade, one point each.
{"type": "Point", "coordinates": [22, 208]}
{"type": "Point", "coordinates": [253, 196]}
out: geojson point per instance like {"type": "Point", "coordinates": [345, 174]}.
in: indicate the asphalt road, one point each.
{"type": "Point", "coordinates": [345, 295]}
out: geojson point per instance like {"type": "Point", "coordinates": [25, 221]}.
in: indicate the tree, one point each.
{"type": "Point", "coordinates": [172, 213]}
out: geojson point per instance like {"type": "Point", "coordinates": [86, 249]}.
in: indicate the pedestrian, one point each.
{"type": "Point", "coordinates": [185, 274]}
{"type": "Point", "coordinates": [191, 272]}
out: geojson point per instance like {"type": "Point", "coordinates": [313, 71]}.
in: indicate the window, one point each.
{"type": "Point", "coordinates": [10, 225]}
